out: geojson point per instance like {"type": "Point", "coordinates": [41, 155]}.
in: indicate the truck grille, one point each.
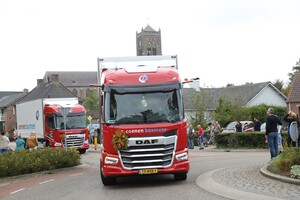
{"type": "Point", "coordinates": [148, 152]}
{"type": "Point", "coordinates": [75, 140]}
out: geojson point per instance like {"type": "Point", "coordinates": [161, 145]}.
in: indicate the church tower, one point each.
{"type": "Point", "coordinates": [148, 42]}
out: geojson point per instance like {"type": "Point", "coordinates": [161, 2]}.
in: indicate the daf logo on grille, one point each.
{"type": "Point", "coordinates": [143, 78]}
{"type": "Point", "coordinates": [140, 142]}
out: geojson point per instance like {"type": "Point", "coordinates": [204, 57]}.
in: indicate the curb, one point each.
{"type": "Point", "coordinates": [238, 150]}
{"type": "Point", "coordinates": [206, 182]}
{"type": "Point", "coordinates": [4, 180]}
{"type": "Point", "coordinates": [265, 172]}
{"type": "Point", "coordinates": [229, 150]}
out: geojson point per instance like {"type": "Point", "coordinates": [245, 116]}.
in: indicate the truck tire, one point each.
{"type": "Point", "coordinates": [82, 151]}
{"type": "Point", "coordinates": [108, 180]}
{"type": "Point", "coordinates": [180, 176]}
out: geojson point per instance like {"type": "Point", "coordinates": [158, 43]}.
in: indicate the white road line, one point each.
{"type": "Point", "coordinates": [4, 184]}
{"type": "Point", "coordinates": [46, 181]}
{"type": "Point", "coordinates": [76, 174]}
{"type": "Point", "coordinates": [17, 191]}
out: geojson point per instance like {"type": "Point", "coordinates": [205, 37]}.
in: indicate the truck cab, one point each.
{"type": "Point", "coordinates": [142, 99]}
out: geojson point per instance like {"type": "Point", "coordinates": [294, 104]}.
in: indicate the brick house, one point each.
{"type": "Point", "coordinates": [293, 99]}
{"type": "Point", "coordinates": [8, 109]}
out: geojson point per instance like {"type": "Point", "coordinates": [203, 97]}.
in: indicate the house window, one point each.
{"type": "Point", "coordinates": [74, 91]}
{"type": "Point", "coordinates": [14, 110]}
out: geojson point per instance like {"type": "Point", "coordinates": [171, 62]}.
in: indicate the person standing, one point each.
{"type": "Point", "coordinates": [190, 138]}
{"type": "Point", "coordinates": [291, 117]}
{"type": "Point", "coordinates": [271, 135]}
{"type": "Point", "coordinates": [257, 124]}
{"type": "Point", "coordinates": [91, 133]}
{"type": "Point", "coordinates": [200, 137]}
{"type": "Point", "coordinates": [32, 142]}
{"type": "Point", "coordinates": [20, 143]}
{"type": "Point", "coordinates": [4, 141]}
{"type": "Point", "coordinates": [217, 128]}
{"type": "Point", "coordinates": [214, 129]}
{"type": "Point", "coordinates": [238, 126]}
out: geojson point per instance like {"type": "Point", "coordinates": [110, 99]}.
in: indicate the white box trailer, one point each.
{"type": "Point", "coordinates": [30, 116]}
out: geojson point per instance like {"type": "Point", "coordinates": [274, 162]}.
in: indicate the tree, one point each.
{"type": "Point", "coordinates": [228, 111]}
{"type": "Point", "coordinates": [258, 112]}
{"type": "Point", "coordinates": [223, 112]}
{"type": "Point", "coordinates": [296, 68]}
{"type": "Point", "coordinates": [278, 84]}
{"type": "Point", "coordinates": [92, 101]}
{"type": "Point", "coordinates": [229, 85]}
{"type": "Point", "coordinates": [286, 90]}
{"type": "Point", "coordinates": [200, 103]}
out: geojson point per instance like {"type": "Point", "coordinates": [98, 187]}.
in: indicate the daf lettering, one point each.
{"type": "Point", "coordinates": [146, 141]}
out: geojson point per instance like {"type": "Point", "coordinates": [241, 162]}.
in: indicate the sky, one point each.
{"type": "Point", "coordinates": [220, 41]}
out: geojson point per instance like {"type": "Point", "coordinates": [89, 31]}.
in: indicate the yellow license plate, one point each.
{"type": "Point", "coordinates": [148, 171]}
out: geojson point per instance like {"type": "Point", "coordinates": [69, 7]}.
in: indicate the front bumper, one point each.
{"type": "Point", "coordinates": [178, 166]}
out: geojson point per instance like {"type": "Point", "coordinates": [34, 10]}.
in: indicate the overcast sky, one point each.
{"type": "Point", "coordinates": [219, 41]}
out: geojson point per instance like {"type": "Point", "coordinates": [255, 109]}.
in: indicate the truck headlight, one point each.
{"type": "Point", "coordinates": [181, 157]}
{"type": "Point", "coordinates": [58, 144]}
{"type": "Point", "coordinates": [111, 161]}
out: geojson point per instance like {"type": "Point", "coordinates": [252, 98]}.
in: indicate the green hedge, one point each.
{"type": "Point", "coordinates": [25, 161]}
{"type": "Point", "coordinates": [247, 140]}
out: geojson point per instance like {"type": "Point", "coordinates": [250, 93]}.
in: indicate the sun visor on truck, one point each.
{"type": "Point", "coordinates": [122, 89]}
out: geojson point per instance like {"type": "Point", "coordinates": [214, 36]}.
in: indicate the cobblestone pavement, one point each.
{"type": "Point", "coordinates": [248, 178]}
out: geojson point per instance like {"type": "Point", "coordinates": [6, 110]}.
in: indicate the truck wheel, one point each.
{"type": "Point", "coordinates": [108, 180]}
{"type": "Point", "coordinates": [180, 176]}
{"type": "Point", "coordinates": [82, 151]}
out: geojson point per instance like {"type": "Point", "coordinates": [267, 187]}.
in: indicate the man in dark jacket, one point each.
{"type": "Point", "coordinates": [272, 132]}
{"type": "Point", "coordinates": [257, 125]}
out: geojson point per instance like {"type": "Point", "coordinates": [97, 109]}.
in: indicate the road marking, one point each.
{"type": "Point", "coordinates": [46, 181]}
{"type": "Point", "coordinates": [17, 191]}
{"type": "Point", "coordinates": [76, 174]}
{"type": "Point", "coordinates": [4, 184]}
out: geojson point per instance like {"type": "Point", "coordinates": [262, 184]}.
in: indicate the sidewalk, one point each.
{"type": "Point", "coordinates": [93, 149]}
{"type": "Point", "coordinates": [253, 182]}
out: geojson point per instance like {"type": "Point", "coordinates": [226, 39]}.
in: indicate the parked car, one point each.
{"type": "Point", "coordinates": [263, 128]}
{"type": "Point", "coordinates": [247, 126]}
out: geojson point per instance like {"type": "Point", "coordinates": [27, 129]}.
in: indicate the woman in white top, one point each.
{"type": "Point", "coordinates": [4, 141]}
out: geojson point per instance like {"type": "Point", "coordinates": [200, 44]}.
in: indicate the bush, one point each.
{"type": "Point", "coordinates": [241, 140]}
{"type": "Point", "coordinates": [246, 140]}
{"type": "Point", "coordinates": [288, 158]}
{"type": "Point", "coordinates": [295, 171]}
{"type": "Point", "coordinates": [23, 162]}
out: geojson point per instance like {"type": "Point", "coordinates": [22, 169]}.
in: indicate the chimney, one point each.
{"type": "Point", "coordinates": [25, 90]}
{"type": "Point", "coordinates": [195, 84]}
{"type": "Point", "coordinates": [54, 78]}
{"type": "Point", "coordinates": [39, 81]}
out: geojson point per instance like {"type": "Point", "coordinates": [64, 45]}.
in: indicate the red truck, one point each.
{"type": "Point", "coordinates": [46, 118]}
{"type": "Point", "coordinates": [143, 127]}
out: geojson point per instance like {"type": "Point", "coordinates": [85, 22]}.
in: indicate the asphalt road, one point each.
{"type": "Point", "coordinates": [84, 182]}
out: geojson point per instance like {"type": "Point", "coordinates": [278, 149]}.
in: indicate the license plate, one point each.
{"type": "Point", "coordinates": [148, 171]}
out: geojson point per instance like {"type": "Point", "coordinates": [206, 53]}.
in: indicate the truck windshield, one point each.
{"type": "Point", "coordinates": [73, 121]}
{"type": "Point", "coordinates": [138, 108]}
